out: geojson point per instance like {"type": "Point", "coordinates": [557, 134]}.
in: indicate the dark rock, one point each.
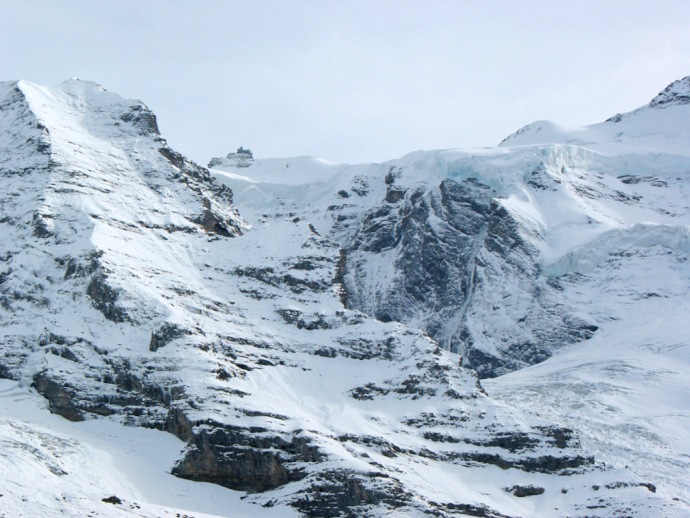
{"type": "Point", "coordinates": [394, 195]}
{"type": "Point", "coordinates": [368, 392]}
{"type": "Point", "coordinates": [304, 264]}
{"type": "Point", "coordinates": [486, 365]}
{"type": "Point", "coordinates": [60, 396]}
{"type": "Point", "coordinates": [326, 352]}
{"type": "Point", "coordinates": [141, 118]}
{"type": "Point", "coordinates": [522, 491]}
{"type": "Point", "coordinates": [346, 493]}
{"type": "Point", "coordinates": [290, 316]}
{"type": "Point", "coordinates": [40, 226]}
{"type": "Point", "coordinates": [430, 275]}
{"type": "Point", "coordinates": [270, 276]}
{"type": "Point", "coordinates": [364, 349]}
{"type": "Point", "coordinates": [78, 267]}
{"type": "Point", "coordinates": [673, 94]}
{"type": "Point", "coordinates": [339, 279]}
{"type": "Point", "coordinates": [448, 246]}
{"type": "Point", "coordinates": [541, 179]}
{"type": "Point", "coordinates": [560, 437]}
{"type": "Point", "coordinates": [415, 385]}
{"type": "Point", "coordinates": [308, 322]}
{"type": "Point", "coordinates": [214, 223]}
{"type": "Point", "coordinates": [166, 334]}
{"type": "Point", "coordinates": [244, 459]}
{"type": "Point", "coordinates": [112, 500]}
{"type": "Point", "coordinates": [104, 298]}
{"type": "Point", "coordinates": [543, 464]}
{"type": "Point", "coordinates": [651, 180]}
{"type": "Point", "coordinates": [4, 372]}
{"type": "Point", "coordinates": [65, 352]}
{"type": "Point", "coordinates": [99, 409]}
{"type": "Point", "coordinates": [511, 441]}
{"type": "Point", "coordinates": [178, 424]}
{"type": "Point", "coordinates": [128, 381]}
{"type": "Point", "coordinates": [392, 175]}
{"type": "Point", "coordinates": [438, 437]}
{"type": "Point", "coordinates": [199, 180]}
{"type": "Point", "coordinates": [184, 165]}
{"type": "Point", "coordinates": [360, 186]}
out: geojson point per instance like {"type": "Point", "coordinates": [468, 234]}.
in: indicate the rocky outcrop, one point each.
{"type": "Point", "coordinates": [60, 396]}
{"type": "Point", "coordinates": [676, 93]}
{"type": "Point", "coordinates": [216, 215]}
{"type": "Point", "coordinates": [350, 494]}
{"type": "Point", "coordinates": [141, 118]}
{"type": "Point", "coordinates": [450, 248]}
{"type": "Point", "coordinates": [166, 334]}
{"type": "Point", "coordinates": [245, 459]}
{"type": "Point", "coordinates": [105, 298]}
{"type": "Point", "coordinates": [523, 491]}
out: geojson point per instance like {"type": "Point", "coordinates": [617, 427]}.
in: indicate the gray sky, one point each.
{"type": "Point", "coordinates": [349, 80]}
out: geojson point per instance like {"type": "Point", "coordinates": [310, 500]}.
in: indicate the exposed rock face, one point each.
{"type": "Point", "coordinates": [165, 334]}
{"type": "Point", "coordinates": [104, 298]}
{"type": "Point", "coordinates": [141, 118]}
{"type": "Point", "coordinates": [245, 459]}
{"type": "Point", "coordinates": [451, 249]}
{"type": "Point", "coordinates": [60, 397]}
{"type": "Point", "coordinates": [350, 494]}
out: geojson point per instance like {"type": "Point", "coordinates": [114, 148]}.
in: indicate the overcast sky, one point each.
{"type": "Point", "coordinates": [353, 81]}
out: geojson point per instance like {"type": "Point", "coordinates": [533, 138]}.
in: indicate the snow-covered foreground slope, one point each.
{"type": "Point", "coordinates": [312, 354]}
{"type": "Point", "coordinates": [50, 466]}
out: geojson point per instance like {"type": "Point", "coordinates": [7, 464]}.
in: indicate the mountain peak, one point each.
{"type": "Point", "coordinates": [677, 92]}
{"type": "Point", "coordinates": [85, 104]}
{"type": "Point", "coordinates": [649, 128]}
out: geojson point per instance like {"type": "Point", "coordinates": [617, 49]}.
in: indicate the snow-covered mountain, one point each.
{"type": "Point", "coordinates": [316, 353]}
{"type": "Point", "coordinates": [469, 245]}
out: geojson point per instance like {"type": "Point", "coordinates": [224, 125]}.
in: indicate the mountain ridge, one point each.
{"type": "Point", "coordinates": [677, 92]}
{"type": "Point", "coordinates": [657, 126]}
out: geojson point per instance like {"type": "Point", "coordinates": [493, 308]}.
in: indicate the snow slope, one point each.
{"type": "Point", "coordinates": [52, 466]}
{"type": "Point", "coordinates": [626, 391]}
